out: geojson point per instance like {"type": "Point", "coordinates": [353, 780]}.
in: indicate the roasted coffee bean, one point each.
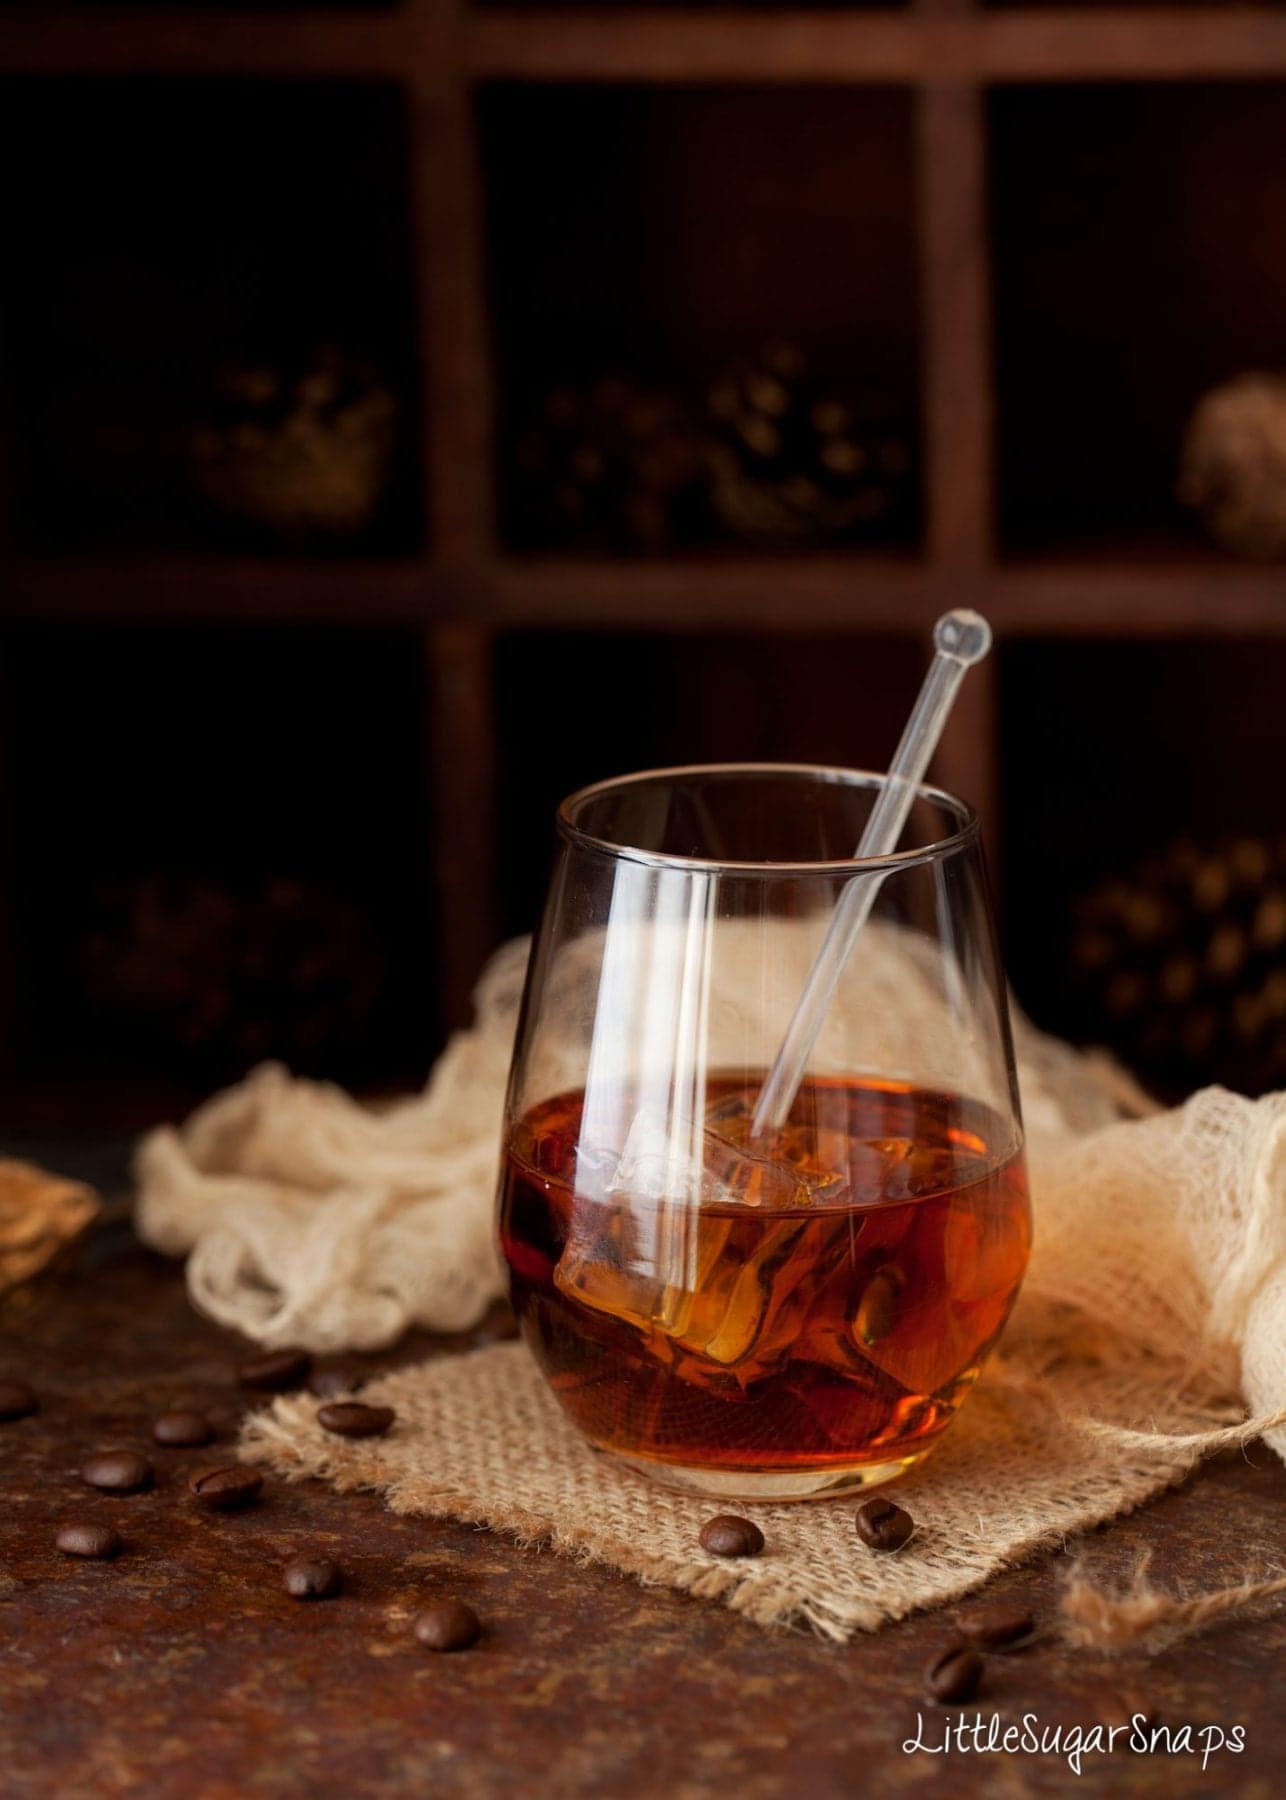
{"type": "Point", "coordinates": [118, 1472]}
{"type": "Point", "coordinates": [225, 1490]}
{"type": "Point", "coordinates": [727, 1535]}
{"type": "Point", "coordinates": [16, 1400]}
{"type": "Point", "coordinates": [448, 1625]}
{"type": "Point", "coordinates": [333, 1380]}
{"type": "Point", "coordinates": [182, 1430]}
{"type": "Point", "coordinates": [97, 1542]}
{"type": "Point", "coordinates": [954, 1674]}
{"type": "Point", "coordinates": [306, 1578]}
{"type": "Point", "coordinates": [276, 1372]}
{"type": "Point", "coordinates": [995, 1627]}
{"type": "Point", "coordinates": [882, 1525]}
{"type": "Point", "coordinates": [351, 1418]}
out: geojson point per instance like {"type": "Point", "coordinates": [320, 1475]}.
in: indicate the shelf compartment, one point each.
{"type": "Point", "coordinates": [1162, 934]}
{"type": "Point", "coordinates": [652, 247]}
{"type": "Point", "coordinates": [206, 878]}
{"type": "Point", "coordinates": [1140, 259]}
{"type": "Point", "coordinates": [211, 318]}
{"type": "Point", "coordinates": [577, 707]}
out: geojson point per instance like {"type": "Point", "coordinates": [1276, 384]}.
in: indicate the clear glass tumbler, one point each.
{"type": "Point", "coordinates": [790, 1315]}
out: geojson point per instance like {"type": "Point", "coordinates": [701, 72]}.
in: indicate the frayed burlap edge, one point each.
{"type": "Point", "coordinates": [478, 1438]}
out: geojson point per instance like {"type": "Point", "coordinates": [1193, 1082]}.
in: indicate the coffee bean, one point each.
{"type": "Point", "coordinates": [118, 1472]}
{"type": "Point", "coordinates": [334, 1380]}
{"type": "Point", "coordinates": [882, 1525]}
{"type": "Point", "coordinates": [954, 1674]}
{"type": "Point", "coordinates": [448, 1625]}
{"type": "Point", "coordinates": [307, 1579]}
{"type": "Point", "coordinates": [352, 1419]}
{"type": "Point", "coordinates": [16, 1400]}
{"type": "Point", "coordinates": [182, 1430]}
{"type": "Point", "coordinates": [995, 1627]}
{"type": "Point", "coordinates": [727, 1535]}
{"type": "Point", "coordinates": [94, 1541]}
{"type": "Point", "coordinates": [276, 1372]}
{"type": "Point", "coordinates": [225, 1490]}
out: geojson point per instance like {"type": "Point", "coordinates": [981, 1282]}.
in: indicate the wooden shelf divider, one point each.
{"type": "Point", "coordinates": [1071, 595]}
{"type": "Point", "coordinates": [456, 351]}
{"type": "Point", "coordinates": [460, 734]}
{"type": "Point", "coordinates": [626, 43]}
{"type": "Point", "coordinates": [958, 459]}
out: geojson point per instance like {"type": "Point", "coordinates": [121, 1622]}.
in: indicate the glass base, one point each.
{"type": "Point", "coordinates": [770, 1484]}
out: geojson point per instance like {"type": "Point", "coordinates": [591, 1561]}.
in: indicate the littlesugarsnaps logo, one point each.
{"type": "Point", "coordinates": [962, 1734]}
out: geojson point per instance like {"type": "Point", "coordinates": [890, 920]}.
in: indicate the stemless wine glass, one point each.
{"type": "Point", "coordinates": [795, 1314]}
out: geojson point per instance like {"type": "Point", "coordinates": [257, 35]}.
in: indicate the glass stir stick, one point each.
{"type": "Point", "coordinates": [960, 638]}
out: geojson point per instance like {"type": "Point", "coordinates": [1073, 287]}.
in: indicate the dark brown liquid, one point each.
{"type": "Point", "coordinates": [829, 1302]}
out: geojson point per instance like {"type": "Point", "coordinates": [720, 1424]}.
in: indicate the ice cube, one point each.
{"type": "Point", "coordinates": [635, 1248]}
{"type": "Point", "coordinates": [742, 1314]}
{"type": "Point", "coordinates": [639, 1260]}
{"type": "Point", "coordinates": [815, 1156]}
{"type": "Point", "coordinates": [674, 1161]}
{"type": "Point", "coordinates": [722, 1295]}
{"type": "Point", "coordinates": [733, 1173]}
{"type": "Point", "coordinates": [701, 1242]}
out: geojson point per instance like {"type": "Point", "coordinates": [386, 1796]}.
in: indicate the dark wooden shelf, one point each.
{"type": "Point", "coordinates": [929, 46]}
{"type": "Point", "coordinates": [1120, 596]}
{"type": "Point", "coordinates": [656, 44]}
{"type": "Point", "coordinates": [945, 57]}
{"type": "Point", "coordinates": [269, 588]}
{"type": "Point", "coordinates": [1086, 594]}
{"type": "Point", "coordinates": [663, 236]}
{"type": "Point", "coordinates": [765, 593]}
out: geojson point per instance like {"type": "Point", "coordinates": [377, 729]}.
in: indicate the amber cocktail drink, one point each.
{"type": "Point", "coordinates": [831, 1298]}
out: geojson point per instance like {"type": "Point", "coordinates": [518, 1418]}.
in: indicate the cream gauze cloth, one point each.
{"type": "Point", "coordinates": [1151, 1328]}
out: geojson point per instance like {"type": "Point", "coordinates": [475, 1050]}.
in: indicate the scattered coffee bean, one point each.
{"type": "Point", "coordinates": [182, 1430]}
{"type": "Point", "coordinates": [225, 1490]}
{"type": "Point", "coordinates": [16, 1400]}
{"type": "Point", "coordinates": [954, 1674]}
{"type": "Point", "coordinates": [727, 1535]}
{"type": "Point", "coordinates": [882, 1525]}
{"type": "Point", "coordinates": [97, 1542]}
{"type": "Point", "coordinates": [333, 1380]}
{"type": "Point", "coordinates": [276, 1372]}
{"type": "Point", "coordinates": [351, 1418]}
{"type": "Point", "coordinates": [306, 1578]}
{"type": "Point", "coordinates": [118, 1472]}
{"type": "Point", "coordinates": [448, 1625]}
{"type": "Point", "coordinates": [995, 1627]}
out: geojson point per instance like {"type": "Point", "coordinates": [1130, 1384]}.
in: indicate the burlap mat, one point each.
{"type": "Point", "coordinates": [479, 1438]}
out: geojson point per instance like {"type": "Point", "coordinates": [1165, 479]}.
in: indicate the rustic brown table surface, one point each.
{"type": "Point", "coordinates": [184, 1669]}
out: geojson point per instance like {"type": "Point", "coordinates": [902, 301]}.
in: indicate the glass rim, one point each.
{"type": "Point", "coordinates": [964, 837]}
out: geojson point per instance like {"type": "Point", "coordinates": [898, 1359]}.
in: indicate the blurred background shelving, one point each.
{"type": "Point", "coordinates": [410, 412]}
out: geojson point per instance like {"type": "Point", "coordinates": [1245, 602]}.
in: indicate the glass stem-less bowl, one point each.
{"type": "Point", "coordinates": [784, 1316]}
